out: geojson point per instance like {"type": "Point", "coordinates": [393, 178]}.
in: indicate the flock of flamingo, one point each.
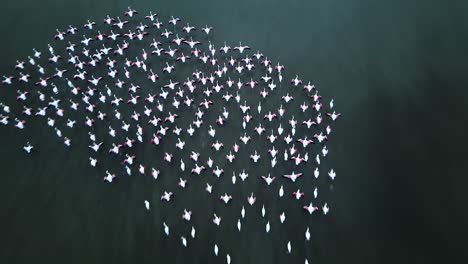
{"type": "Point", "coordinates": [137, 85]}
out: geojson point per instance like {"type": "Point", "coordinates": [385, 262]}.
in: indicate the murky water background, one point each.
{"type": "Point", "coordinates": [397, 196]}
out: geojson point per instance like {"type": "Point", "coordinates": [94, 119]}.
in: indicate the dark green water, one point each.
{"type": "Point", "coordinates": [397, 72]}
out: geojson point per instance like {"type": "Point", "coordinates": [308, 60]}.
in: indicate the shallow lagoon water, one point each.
{"type": "Point", "coordinates": [383, 64]}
